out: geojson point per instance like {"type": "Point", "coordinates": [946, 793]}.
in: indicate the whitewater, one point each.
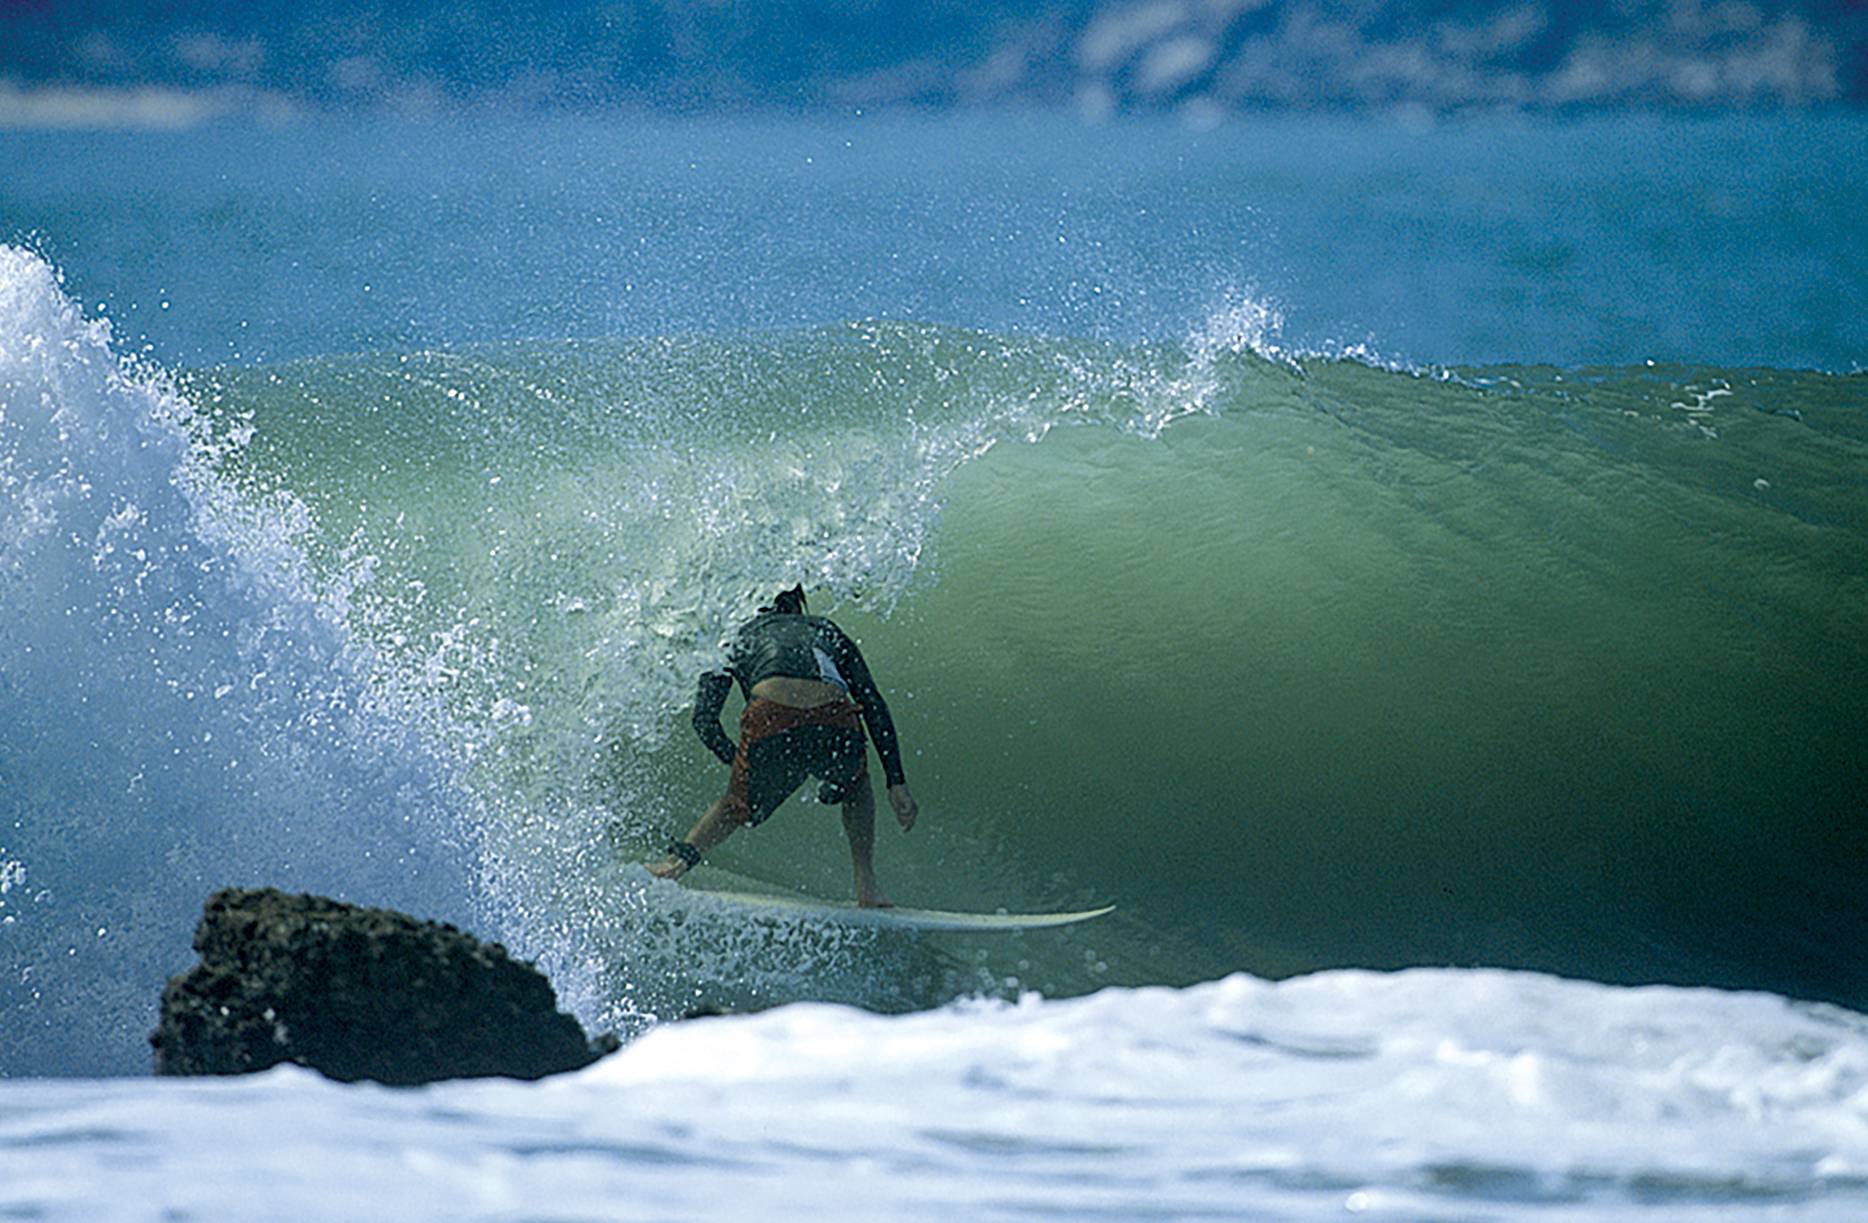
{"type": "Point", "coordinates": [1424, 1094]}
{"type": "Point", "coordinates": [1472, 749]}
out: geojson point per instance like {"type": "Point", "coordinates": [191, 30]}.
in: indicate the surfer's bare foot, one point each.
{"type": "Point", "coordinates": [684, 856]}
{"type": "Point", "coordinates": [871, 897]}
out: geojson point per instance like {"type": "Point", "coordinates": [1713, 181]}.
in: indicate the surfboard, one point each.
{"type": "Point", "coordinates": [848, 913]}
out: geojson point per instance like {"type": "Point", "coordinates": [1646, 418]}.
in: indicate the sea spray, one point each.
{"type": "Point", "coordinates": [185, 705]}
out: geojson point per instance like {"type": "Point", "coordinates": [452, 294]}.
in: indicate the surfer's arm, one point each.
{"type": "Point", "coordinates": [876, 717]}
{"type": "Point", "coordinates": [709, 700]}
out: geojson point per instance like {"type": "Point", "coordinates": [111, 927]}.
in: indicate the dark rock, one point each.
{"type": "Point", "coordinates": [358, 994]}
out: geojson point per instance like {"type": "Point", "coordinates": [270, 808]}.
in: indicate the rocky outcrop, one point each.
{"type": "Point", "coordinates": [358, 994]}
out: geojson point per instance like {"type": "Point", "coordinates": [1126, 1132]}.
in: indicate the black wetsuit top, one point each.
{"type": "Point", "coordinates": [799, 647]}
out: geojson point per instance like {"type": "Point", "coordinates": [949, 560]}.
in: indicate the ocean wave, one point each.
{"type": "Point", "coordinates": [1301, 660]}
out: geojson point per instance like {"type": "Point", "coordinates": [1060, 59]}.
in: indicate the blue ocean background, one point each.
{"type": "Point", "coordinates": [1415, 567]}
{"type": "Point", "coordinates": [1581, 239]}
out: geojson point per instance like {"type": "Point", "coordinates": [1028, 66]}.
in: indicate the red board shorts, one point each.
{"type": "Point", "coordinates": [779, 746]}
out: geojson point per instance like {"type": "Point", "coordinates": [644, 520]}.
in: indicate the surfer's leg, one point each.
{"type": "Point", "coordinates": [765, 772]}
{"type": "Point", "coordinates": [711, 829]}
{"type": "Point", "coordinates": [859, 824]}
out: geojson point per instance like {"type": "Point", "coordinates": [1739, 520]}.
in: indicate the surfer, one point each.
{"type": "Point", "coordinates": [808, 696]}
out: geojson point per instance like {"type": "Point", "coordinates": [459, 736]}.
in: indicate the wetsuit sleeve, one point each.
{"type": "Point", "coordinates": [876, 717]}
{"type": "Point", "coordinates": [708, 702]}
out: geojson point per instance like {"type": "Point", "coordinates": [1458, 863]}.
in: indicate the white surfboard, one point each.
{"type": "Point", "coordinates": [848, 913]}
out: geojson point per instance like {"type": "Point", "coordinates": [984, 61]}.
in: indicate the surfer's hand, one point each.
{"type": "Point", "coordinates": [905, 807]}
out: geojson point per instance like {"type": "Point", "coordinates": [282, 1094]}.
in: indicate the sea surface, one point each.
{"type": "Point", "coordinates": [1418, 572]}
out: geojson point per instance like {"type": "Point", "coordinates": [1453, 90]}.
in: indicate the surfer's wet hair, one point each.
{"type": "Point", "coordinates": [789, 602]}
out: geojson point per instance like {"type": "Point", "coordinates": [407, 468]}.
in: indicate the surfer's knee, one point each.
{"type": "Point", "coordinates": [859, 791]}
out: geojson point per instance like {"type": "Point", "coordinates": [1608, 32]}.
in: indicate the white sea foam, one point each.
{"type": "Point", "coordinates": [1429, 1093]}
{"type": "Point", "coordinates": [184, 704]}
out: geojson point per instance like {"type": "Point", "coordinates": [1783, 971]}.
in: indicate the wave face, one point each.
{"type": "Point", "coordinates": [1302, 661]}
